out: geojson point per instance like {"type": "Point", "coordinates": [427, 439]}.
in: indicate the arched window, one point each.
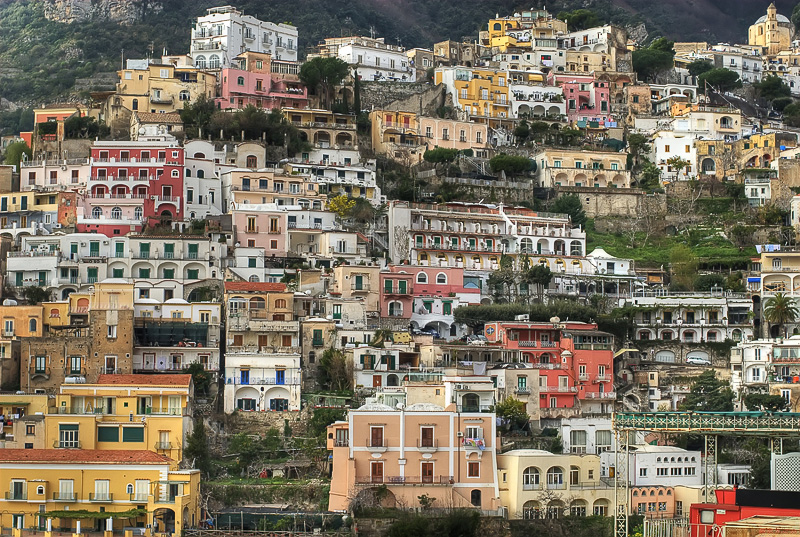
{"type": "Point", "coordinates": [254, 278]}
{"type": "Point", "coordinates": [137, 213]}
{"type": "Point", "coordinates": [497, 26]}
{"type": "Point", "coordinates": [530, 478]}
{"type": "Point", "coordinates": [280, 303]}
{"type": "Point", "coordinates": [184, 95]}
{"type": "Point", "coordinates": [213, 62]}
{"type": "Point", "coordinates": [32, 326]}
{"type": "Point", "coordinates": [201, 174]}
{"type": "Point", "coordinates": [635, 493]}
{"type": "Point", "coordinates": [200, 62]}
{"type": "Point", "coordinates": [176, 173]}
{"type": "Point", "coordinates": [129, 488]}
{"type": "Point", "coordinates": [555, 477]}
{"type": "Point", "coordinates": [240, 81]}
{"type": "Point", "coordinates": [116, 213]}
{"type": "Point", "coordinates": [422, 277]}
{"type": "Point", "coordinates": [40, 490]}
{"type": "Point", "coordinates": [97, 212]}
{"type": "Point", "coordinates": [252, 161]}
{"type": "Point", "coordinates": [312, 357]}
{"type": "Point", "coordinates": [135, 104]}
{"type": "Point", "coordinates": [441, 278]}
{"type": "Point", "coordinates": [188, 172]}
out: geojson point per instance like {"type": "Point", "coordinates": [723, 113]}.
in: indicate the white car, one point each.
{"type": "Point", "coordinates": [693, 360]}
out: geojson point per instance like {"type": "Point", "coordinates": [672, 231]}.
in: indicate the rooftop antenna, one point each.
{"type": "Point", "coordinates": [122, 60]}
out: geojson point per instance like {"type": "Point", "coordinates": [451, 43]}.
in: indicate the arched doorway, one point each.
{"type": "Point", "coordinates": [164, 520]}
{"type": "Point", "coordinates": [166, 218]}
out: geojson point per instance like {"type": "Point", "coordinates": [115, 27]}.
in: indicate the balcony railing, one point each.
{"type": "Point", "coordinates": [163, 445]}
{"type": "Point", "coordinates": [65, 497]}
{"type": "Point", "coordinates": [603, 395]}
{"type": "Point", "coordinates": [522, 390]}
{"type": "Point", "coordinates": [289, 381]}
{"type": "Point", "coordinates": [101, 497]}
{"type": "Point", "coordinates": [16, 496]}
{"type": "Point", "coordinates": [405, 480]}
{"type": "Point", "coordinates": [560, 389]}
{"type": "Point", "coordinates": [67, 444]}
{"type": "Point", "coordinates": [428, 445]}
{"type": "Point", "coordinates": [139, 497]}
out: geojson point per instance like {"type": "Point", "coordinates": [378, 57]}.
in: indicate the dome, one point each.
{"type": "Point", "coordinates": [781, 19]}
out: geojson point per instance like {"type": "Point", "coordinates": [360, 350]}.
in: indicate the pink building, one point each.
{"type": "Point", "coordinates": [402, 283]}
{"type": "Point", "coordinates": [261, 82]}
{"type": "Point", "coordinates": [587, 99]}
{"type": "Point", "coordinates": [132, 184]}
{"type": "Point", "coordinates": [261, 226]}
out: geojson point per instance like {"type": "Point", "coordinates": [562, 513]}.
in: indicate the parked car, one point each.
{"type": "Point", "coordinates": [695, 360]}
{"type": "Point", "coordinates": [477, 340]}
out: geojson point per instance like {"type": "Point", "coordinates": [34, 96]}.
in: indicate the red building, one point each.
{"type": "Point", "coordinates": [732, 505]}
{"type": "Point", "coordinates": [132, 184]}
{"type": "Point", "coordinates": [587, 99]}
{"type": "Point", "coordinates": [575, 360]}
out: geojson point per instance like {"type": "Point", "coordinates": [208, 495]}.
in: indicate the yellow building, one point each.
{"type": "Point", "coordinates": [44, 484]}
{"type": "Point", "coordinates": [478, 92]}
{"type": "Point", "coordinates": [22, 420]}
{"type": "Point", "coordinates": [772, 31]}
{"type": "Point", "coordinates": [119, 412]}
{"type": "Point", "coordinates": [519, 30]}
{"type": "Point", "coordinates": [162, 87]}
{"type": "Point", "coordinates": [539, 484]}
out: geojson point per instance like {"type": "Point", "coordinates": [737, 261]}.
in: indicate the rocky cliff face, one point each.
{"type": "Point", "coordinates": [120, 11]}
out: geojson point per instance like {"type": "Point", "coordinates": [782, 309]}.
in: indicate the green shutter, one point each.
{"type": "Point", "coordinates": [193, 274]}
{"type": "Point", "coordinates": [133, 434]}
{"type": "Point", "coordinates": [120, 249]}
{"type": "Point", "coordinates": [169, 274]}
{"type": "Point", "coordinates": [169, 251]}
{"type": "Point", "coordinates": [118, 273]}
{"type": "Point", "coordinates": [387, 286]}
{"type": "Point", "coordinates": [19, 276]}
{"type": "Point", "coordinates": [402, 286]}
{"type": "Point", "coordinates": [108, 434]}
{"type": "Point", "coordinates": [67, 427]}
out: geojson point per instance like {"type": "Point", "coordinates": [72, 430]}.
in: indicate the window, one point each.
{"type": "Point", "coordinates": [555, 477]}
{"type": "Point", "coordinates": [577, 441]}
{"type": "Point", "coordinates": [603, 441]}
{"type": "Point", "coordinates": [474, 469]}
{"type": "Point", "coordinates": [68, 436]}
{"type": "Point", "coordinates": [108, 434]}
{"type": "Point", "coordinates": [422, 277]}
{"type": "Point", "coordinates": [111, 331]}
{"type": "Point", "coordinates": [101, 492]}
{"type": "Point", "coordinates": [30, 430]}
{"type": "Point", "coordinates": [441, 278]}
{"type": "Point", "coordinates": [133, 434]}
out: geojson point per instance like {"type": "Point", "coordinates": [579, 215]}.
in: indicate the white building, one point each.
{"type": "Point", "coordinates": [63, 174]}
{"type": "Point", "coordinates": [746, 61]}
{"type": "Point", "coordinates": [225, 32]}
{"type": "Point", "coordinates": [668, 144]}
{"type": "Point", "coordinates": [373, 59]}
{"type": "Point", "coordinates": [262, 382]}
{"type": "Point", "coordinates": [529, 100]}
{"type": "Point", "coordinates": [591, 436]}
{"type": "Point", "coordinates": [666, 466]}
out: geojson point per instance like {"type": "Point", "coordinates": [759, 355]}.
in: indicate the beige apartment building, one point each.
{"type": "Point", "coordinates": [577, 167]}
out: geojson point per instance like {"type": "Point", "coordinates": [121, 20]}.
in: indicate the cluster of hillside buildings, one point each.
{"type": "Point", "coordinates": [158, 253]}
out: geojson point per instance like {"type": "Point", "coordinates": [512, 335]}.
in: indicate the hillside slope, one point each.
{"type": "Point", "coordinates": [40, 59]}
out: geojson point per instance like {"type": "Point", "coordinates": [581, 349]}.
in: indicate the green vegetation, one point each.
{"type": "Point", "coordinates": [580, 19]}
{"type": "Point", "coordinates": [14, 152]}
{"type": "Point", "coordinates": [698, 67]}
{"type": "Point", "coordinates": [334, 371]}
{"type": "Point", "coordinates": [35, 295]}
{"type": "Point", "coordinates": [196, 450]}
{"type": "Point", "coordinates": [571, 205]}
{"type": "Point", "coordinates": [440, 155]}
{"type": "Point", "coordinates": [651, 62]}
{"type": "Point", "coordinates": [710, 248]}
{"type": "Point", "coordinates": [772, 87]}
{"type": "Point", "coordinates": [511, 415]}
{"type": "Point", "coordinates": [780, 310]}
{"type": "Point", "coordinates": [510, 164]}
{"type": "Point", "coordinates": [709, 394]}
{"type": "Point", "coordinates": [320, 75]}
{"type": "Point", "coordinates": [763, 401]}
{"type": "Point", "coordinates": [720, 80]}
{"type": "Point", "coordinates": [457, 523]}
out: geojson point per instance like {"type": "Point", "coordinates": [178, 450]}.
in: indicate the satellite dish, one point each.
{"type": "Point", "coordinates": [141, 130]}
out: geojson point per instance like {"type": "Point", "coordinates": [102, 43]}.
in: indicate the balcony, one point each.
{"type": "Point", "coordinates": [101, 497]}
{"type": "Point", "coordinates": [314, 343]}
{"type": "Point", "coordinates": [289, 381]}
{"type": "Point", "coordinates": [161, 99]}
{"type": "Point", "coordinates": [397, 290]}
{"type": "Point", "coordinates": [17, 496]}
{"type": "Point", "coordinates": [139, 497]}
{"type": "Point", "coordinates": [522, 390]}
{"type": "Point", "coordinates": [40, 374]}
{"type": "Point", "coordinates": [603, 378]}
{"type": "Point", "coordinates": [163, 445]}
{"type": "Point", "coordinates": [603, 395]}
{"type": "Point", "coordinates": [67, 444]}
{"type": "Point", "coordinates": [474, 408]}
{"type": "Point", "coordinates": [473, 444]}
{"type": "Point", "coordinates": [583, 376]}
{"type": "Point", "coordinates": [65, 497]}
{"type": "Point", "coordinates": [531, 486]}
{"type": "Point", "coordinates": [405, 480]}
{"type": "Point", "coordinates": [428, 446]}
{"type": "Point", "coordinates": [376, 447]}
{"type": "Point", "coordinates": [359, 288]}
{"type": "Point", "coordinates": [558, 389]}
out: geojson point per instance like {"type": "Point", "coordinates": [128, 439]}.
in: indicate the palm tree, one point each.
{"type": "Point", "coordinates": [780, 310]}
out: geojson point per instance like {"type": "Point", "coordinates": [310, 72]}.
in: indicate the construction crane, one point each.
{"type": "Point", "coordinates": [710, 425]}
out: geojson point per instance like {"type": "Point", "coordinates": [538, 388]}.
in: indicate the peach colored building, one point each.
{"type": "Point", "coordinates": [261, 226]}
{"type": "Point", "coordinates": [414, 451]}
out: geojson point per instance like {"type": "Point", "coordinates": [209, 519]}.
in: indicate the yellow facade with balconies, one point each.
{"type": "Point", "coordinates": [135, 488]}
{"type": "Point", "coordinates": [122, 412]}
{"type": "Point", "coordinates": [479, 92]}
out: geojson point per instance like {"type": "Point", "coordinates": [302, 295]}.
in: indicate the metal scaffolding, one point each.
{"type": "Point", "coordinates": [710, 425]}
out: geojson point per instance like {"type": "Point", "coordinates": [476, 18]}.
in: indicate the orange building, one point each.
{"type": "Point", "coordinates": [391, 456]}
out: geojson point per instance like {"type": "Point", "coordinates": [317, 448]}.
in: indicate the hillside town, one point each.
{"type": "Point", "coordinates": [541, 279]}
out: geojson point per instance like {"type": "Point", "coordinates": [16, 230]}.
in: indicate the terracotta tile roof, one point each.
{"type": "Point", "coordinates": [255, 287]}
{"type": "Point", "coordinates": [146, 380]}
{"type": "Point", "coordinates": [82, 456]}
{"type": "Point", "coordinates": [149, 117]}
